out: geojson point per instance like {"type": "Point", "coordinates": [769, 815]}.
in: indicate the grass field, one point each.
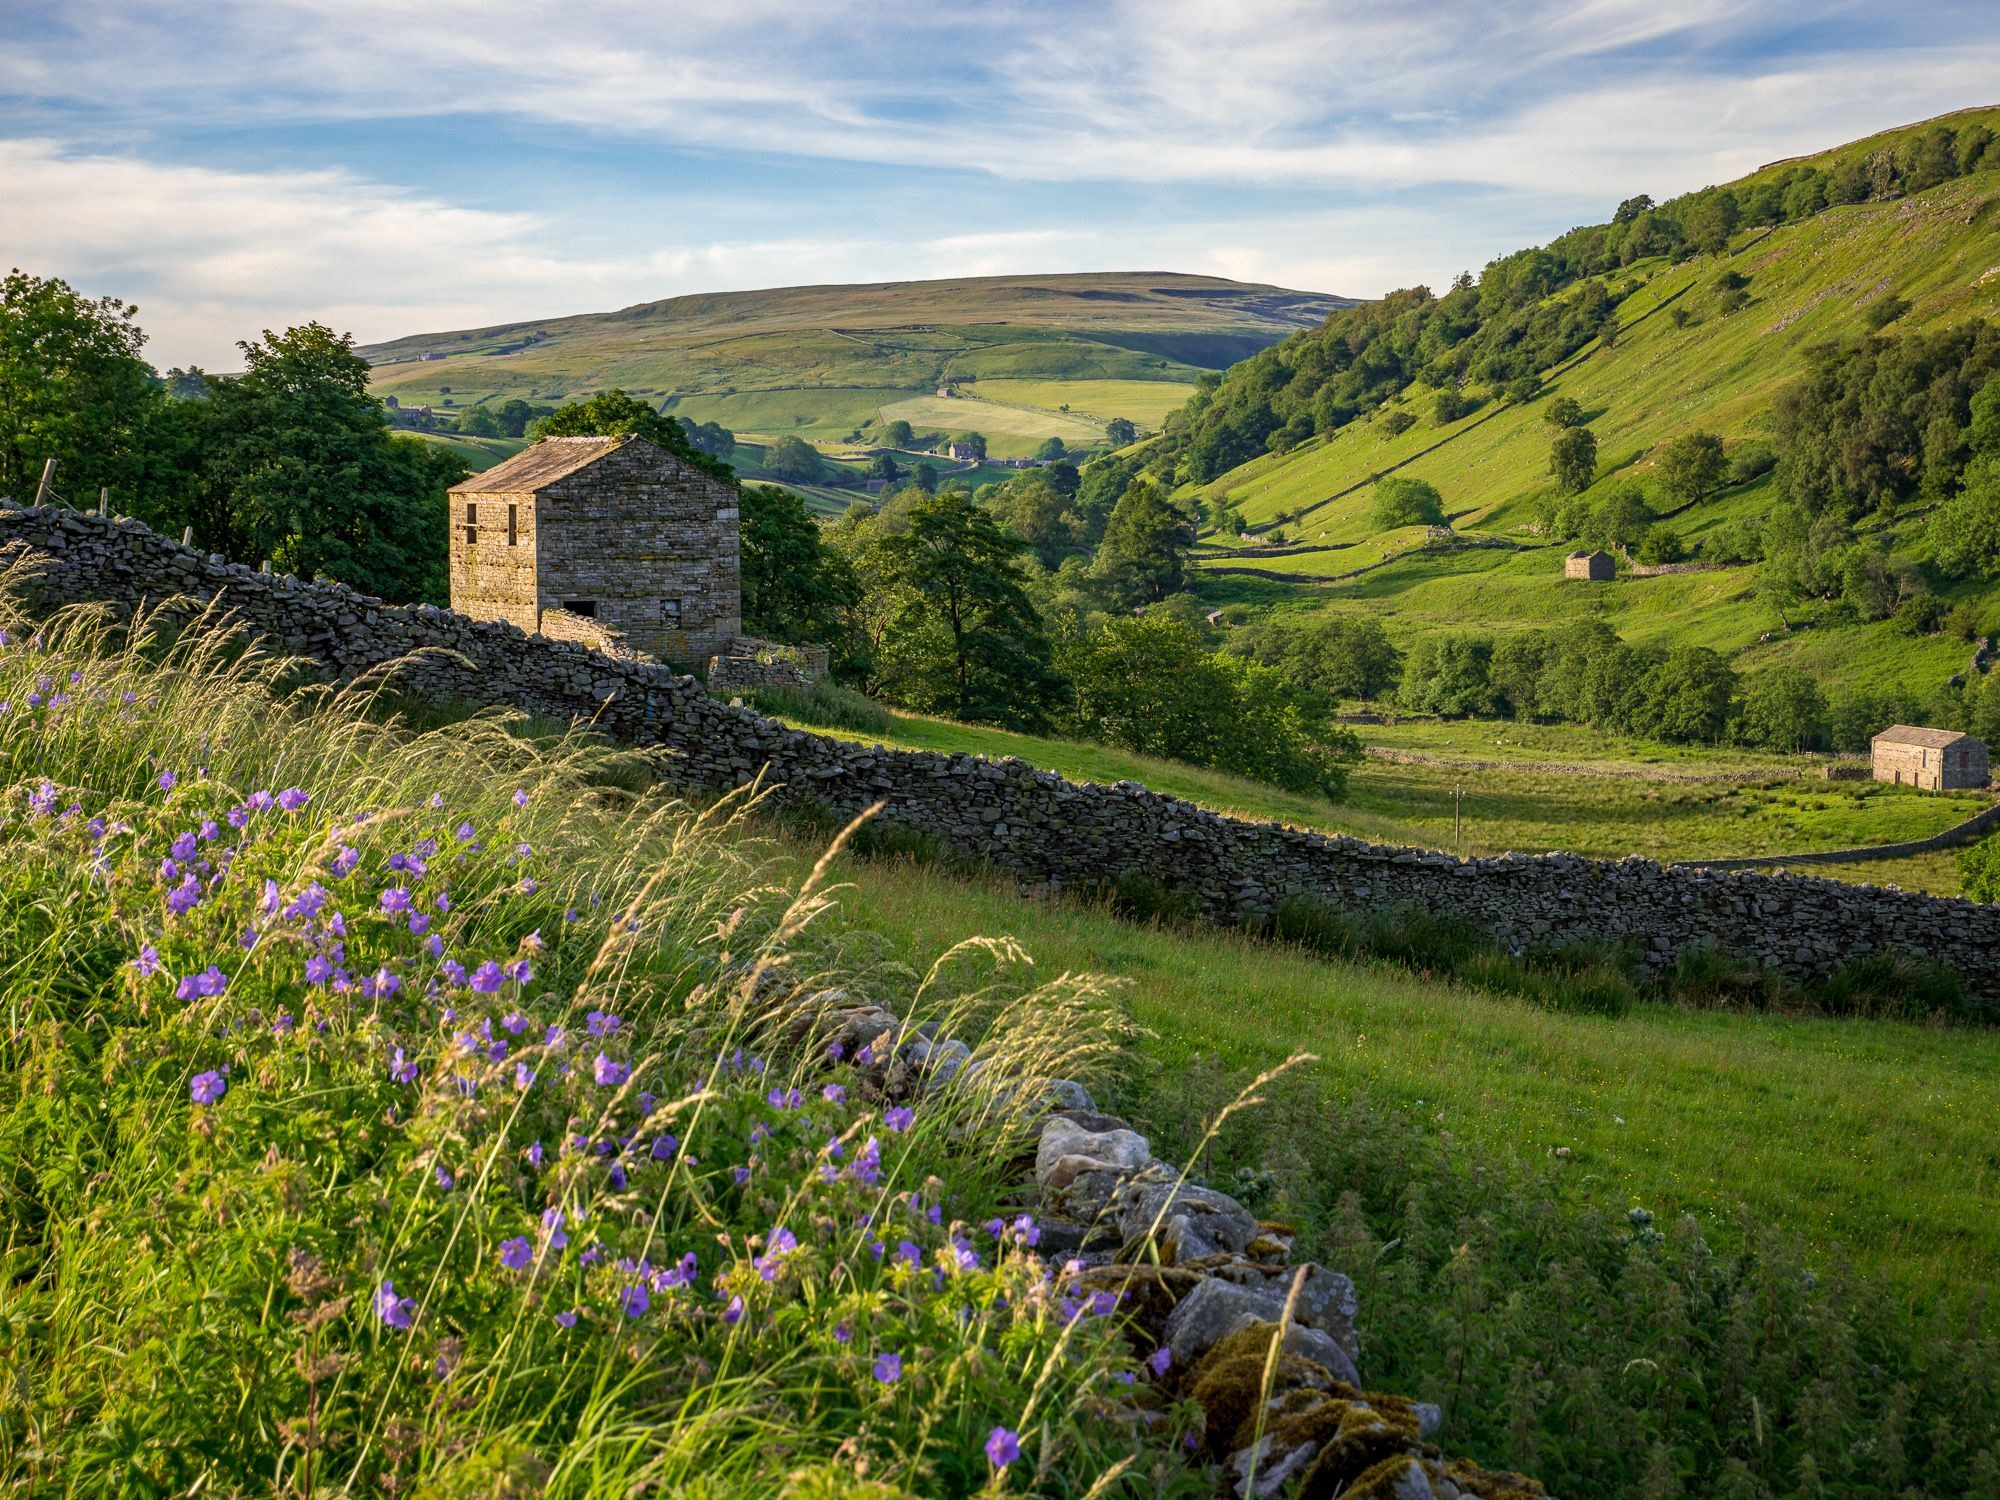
{"type": "Point", "coordinates": [1467, 810]}
{"type": "Point", "coordinates": [1872, 1136]}
{"type": "Point", "coordinates": [1146, 402]}
{"type": "Point", "coordinates": [1011, 431]}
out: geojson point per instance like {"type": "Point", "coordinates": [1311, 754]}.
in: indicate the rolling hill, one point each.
{"type": "Point", "coordinates": [1691, 353]}
{"type": "Point", "coordinates": [1026, 357]}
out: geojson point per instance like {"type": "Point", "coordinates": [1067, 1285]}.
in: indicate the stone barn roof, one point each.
{"type": "Point", "coordinates": [1927, 739]}
{"type": "Point", "coordinates": [540, 465]}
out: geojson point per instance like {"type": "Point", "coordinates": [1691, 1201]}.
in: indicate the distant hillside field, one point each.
{"type": "Point", "coordinates": [1692, 353]}
{"type": "Point", "coordinates": [824, 362]}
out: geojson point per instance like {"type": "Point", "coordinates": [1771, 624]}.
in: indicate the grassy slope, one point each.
{"type": "Point", "coordinates": [1779, 812]}
{"type": "Point", "coordinates": [821, 362]}
{"type": "Point", "coordinates": [1872, 1136]}
{"type": "Point", "coordinates": [1808, 283]}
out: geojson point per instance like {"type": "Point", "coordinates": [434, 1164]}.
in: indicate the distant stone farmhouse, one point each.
{"type": "Point", "coordinates": [1934, 759]}
{"type": "Point", "coordinates": [609, 540]}
{"type": "Point", "coordinates": [1598, 567]}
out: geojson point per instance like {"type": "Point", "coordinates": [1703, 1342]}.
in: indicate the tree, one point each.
{"type": "Point", "coordinates": [1564, 411]}
{"type": "Point", "coordinates": [613, 414]}
{"type": "Point", "coordinates": [964, 638]}
{"type": "Point", "coordinates": [795, 588]}
{"type": "Point", "coordinates": [1152, 685]}
{"type": "Point", "coordinates": [1966, 531]}
{"type": "Point", "coordinates": [1689, 696]}
{"type": "Point", "coordinates": [1632, 207]}
{"type": "Point", "coordinates": [1335, 657]}
{"type": "Point", "coordinates": [1690, 466]}
{"type": "Point", "coordinates": [1405, 502]}
{"type": "Point", "coordinates": [299, 466]}
{"type": "Point", "coordinates": [794, 459]}
{"type": "Point", "coordinates": [1398, 422]}
{"type": "Point", "coordinates": [1143, 554]}
{"type": "Point", "coordinates": [711, 438]}
{"type": "Point", "coordinates": [1979, 869]}
{"type": "Point", "coordinates": [73, 388]}
{"type": "Point", "coordinates": [883, 467]}
{"type": "Point", "coordinates": [1121, 432]}
{"type": "Point", "coordinates": [1712, 220]}
{"type": "Point", "coordinates": [1573, 458]}
{"type": "Point", "coordinates": [1449, 675]}
{"type": "Point", "coordinates": [925, 476]}
{"type": "Point", "coordinates": [1785, 710]}
{"type": "Point", "coordinates": [1050, 450]}
{"type": "Point", "coordinates": [898, 434]}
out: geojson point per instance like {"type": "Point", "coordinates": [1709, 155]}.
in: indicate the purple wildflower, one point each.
{"type": "Point", "coordinates": [1003, 1447]}
{"type": "Point", "coordinates": [345, 861]}
{"type": "Point", "coordinates": [208, 1087]}
{"type": "Point", "coordinates": [899, 1117]}
{"type": "Point", "coordinates": [833, 1093]}
{"type": "Point", "coordinates": [395, 899]}
{"type": "Point", "coordinates": [601, 1023]}
{"type": "Point", "coordinates": [609, 1072]}
{"type": "Point", "coordinates": [664, 1147]}
{"type": "Point", "coordinates": [733, 1313]}
{"type": "Point", "coordinates": [535, 1156]}
{"type": "Point", "coordinates": [888, 1368]}
{"type": "Point", "coordinates": [567, 1319]}
{"type": "Point", "coordinates": [1159, 1360]}
{"type": "Point", "coordinates": [148, 961]}
{"type": "Point", "coordinates": [520, 798]}
{"type": "Point", "coordinates": [167, 780]}
{"type": "Point", "coordinates": [210, 982]}
{"type": "Point", "coordinates": [634, 1301]}
{"type": "Point", "coordinates": [393, 1310]}
{"type": "Point", "coordinates": [552, 1226]}
{"type": "Point", "coordinates": [292, 798]}
{"type": "Point", "coordinates": [486, 978]}
{"type": "Point", "coordinates": [515, 1254]}
{"type": "Point", "coordinates": [401, 1069]}
{"type": "Point", "coordinates": [524, 1076]}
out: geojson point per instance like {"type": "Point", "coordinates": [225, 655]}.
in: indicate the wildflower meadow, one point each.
{"type": "Point", "coordinates": [446, 1113]}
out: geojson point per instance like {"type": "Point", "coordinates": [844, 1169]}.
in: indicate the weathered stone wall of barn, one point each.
{"type": "Point", "coordinates": [656, 548]}
{"type": "Point", "coordinates": [1007, 813]}
{"type": "Point", "coordinates": [492, 556]}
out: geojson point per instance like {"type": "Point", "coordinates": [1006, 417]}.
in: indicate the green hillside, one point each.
{"type": "Point", "coordinates": [1026, 357]}
{"type": "Point", "coordinates": [1693, 352]}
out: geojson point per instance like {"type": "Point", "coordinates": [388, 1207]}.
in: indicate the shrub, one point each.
{"type": "Point", "coordinates": [1405, 502]}
{"type": "Point", "coordinates": [1315, 925]}
{"type": "Point", "coordinates": [1979, 869]}
{"type": "Point", "coordinates": [1750, 460]}
{"type": "Point", "coordinates": [1398, 422]}
{"type": "Point", "coordinates": [1897, 986]}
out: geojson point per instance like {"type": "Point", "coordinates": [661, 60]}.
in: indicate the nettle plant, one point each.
{"type": "Point", "coordinates": [435, 1112]}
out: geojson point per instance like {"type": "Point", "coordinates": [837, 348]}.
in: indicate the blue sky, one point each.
{"type": "Point", "coordinates": [394, 167]}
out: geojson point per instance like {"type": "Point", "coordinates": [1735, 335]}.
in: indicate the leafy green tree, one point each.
{"type": "Point", "coordinates": [794, 459]}
{"type": "Point", "coordinates": [479, 421]}
{"type": "Point", "coordinates": [1690, 466]}
{"type": "Point", "coordinates": [1564, 411]}
{"type": "Point", "coordinates": [299, 467]}
{"type": "Point", "coordinates": [711, 438]}
{"type": "Point", "coordinates": [1573, 458]}
{"type": "Point", "coordinates": [898, 434]}
{"type": "Point", "coordinates": [796, 588]}
{"type": "Point", "coordinates": [924, 476]}
{"type": "Point", "coordinates": [1334, 657]}
{"type": "Point", "coordinates": [1785, 709]}
{"type": "Point", "coordinates": [1144, 552]}
{"type": "Point", "coordinates": [1400, 501]}
{"type": "Point", "coordinates": [963, 637]}
{"type": "Point", "coordinates": [1152, 685]}
{"type": "Point", "coordinates": [1449, 675]}
{"type": "Point", "coordinates": [1712, 220]}
{"type": "Point", "coordinates": [883, 466]}
{"type": "Point", "coordinates": [1398, 422]}
{"type": "Point", "coordinates": [1689, 696]}
{"type": "Point", "coordinates": [73, 388]}
{"type": "Point", "coordinates": [1519, 659]}
{"type": "Point", "coordinates": [613, 414]}
{"type": "Point", "coordinates": [1121, 432]}
{"type": "Point", "coordinates": [1040, 514]}
{"type": "Point", "coordinates": [1965, 533]}
{"type": "Point", "coordinates": [1051, 449]}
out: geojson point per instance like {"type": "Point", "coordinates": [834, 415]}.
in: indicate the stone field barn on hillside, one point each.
{"type": "Point", "coordinates": [1935, 759]}
{"type": "Point", "coordinates": [1597, 567]}
{"type": "Point", "coordinates": [612, 530]}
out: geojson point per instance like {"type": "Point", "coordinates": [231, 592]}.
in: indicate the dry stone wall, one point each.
{"type": "Point", "coordinates": [1046, 830]}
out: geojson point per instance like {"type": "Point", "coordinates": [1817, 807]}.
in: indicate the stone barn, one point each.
{"type": "Point", "coordinates": [1934, 759]}
{"type": "Point", "coordinates": [609, 540]}
{"type": "Point", "coordinates": [1598, 567]}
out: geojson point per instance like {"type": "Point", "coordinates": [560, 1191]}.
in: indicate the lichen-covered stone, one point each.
{"type": "Point", "coordinates": [1067, 1150]}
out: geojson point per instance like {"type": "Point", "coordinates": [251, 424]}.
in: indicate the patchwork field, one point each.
{"type": "Point", "coordinates": [1681, 363]}
{"type": "Point", "coordinates": [823, 362]}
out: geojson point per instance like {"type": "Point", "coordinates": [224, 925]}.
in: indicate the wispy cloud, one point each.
{"type": "Point", "coordinates": [179, 151]}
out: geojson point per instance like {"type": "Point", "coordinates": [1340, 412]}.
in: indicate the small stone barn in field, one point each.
{"type": "Point", "coordinates": [1934, 759]}
{"type": "Point", "coordinates": [1598, 567]}
{"type": "Point", "coordinates": [610, 540]}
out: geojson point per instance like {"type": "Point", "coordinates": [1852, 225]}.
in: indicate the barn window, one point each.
{"type": "Point", "coordinates": [471, 522]}
{"type": "Point", "coordinates": [513, 525]}
{"type": "Point", "coordinates": [585, 607]}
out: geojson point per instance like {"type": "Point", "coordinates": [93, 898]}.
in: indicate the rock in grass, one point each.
{"type": "Point", "coordinates": [1191, 1221]}
{"type": "Point", "coordinates": [1067, 1150]}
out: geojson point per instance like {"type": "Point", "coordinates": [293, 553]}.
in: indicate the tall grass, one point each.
{"type": "Point", "coordinates": [406, 1111]}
